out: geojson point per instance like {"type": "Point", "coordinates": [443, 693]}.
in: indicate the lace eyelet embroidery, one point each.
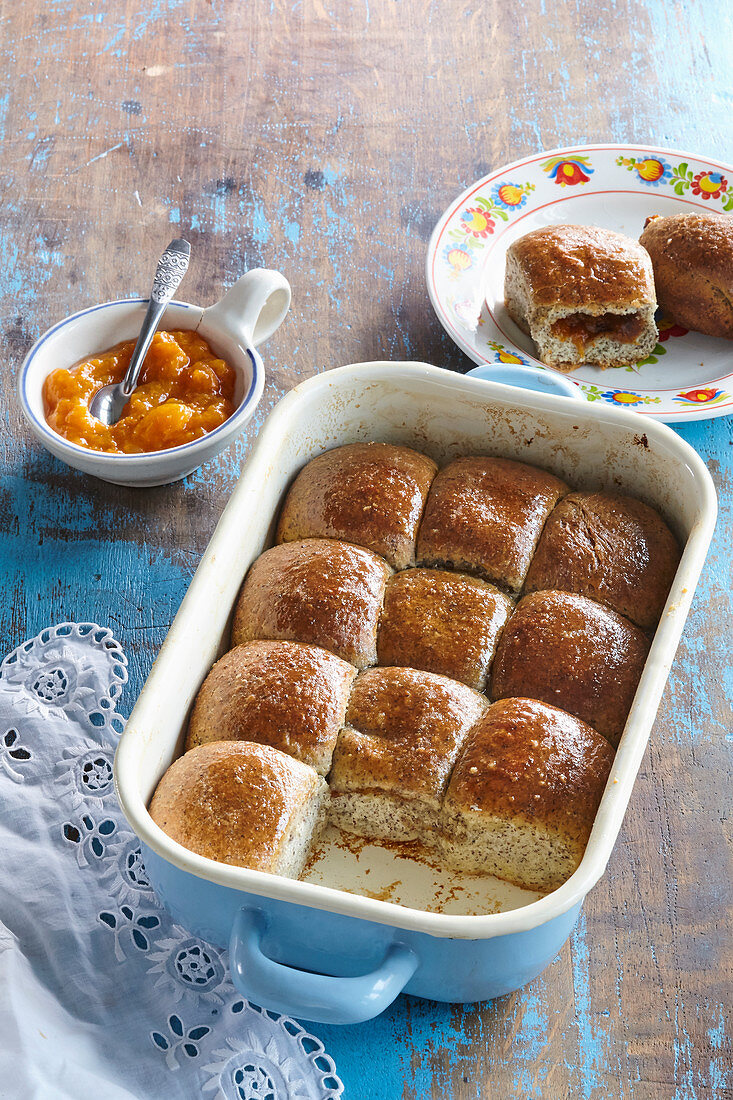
{"type": "Point", "coordinates": [85, 775]}
{"type": "Point", "coordinates": [60, 689]}
{"type": "Point", "coordinates": [130, 929]}
{"type": "Point", "coordinates": [179, 1039]}
{"type": "Point", "coordinates": [53, 686]}
{"type": "Point", "coordinates": [188, 967]}
{"type": "Point", "coordinates": [72, 672]}
{"type": "Point", "coordinates": [13, 755]}
{"type": "Point", "coordinates": [90, 837]}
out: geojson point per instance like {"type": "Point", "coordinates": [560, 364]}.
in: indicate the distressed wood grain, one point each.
{"type": "Point", "coordinates": [324, 138]}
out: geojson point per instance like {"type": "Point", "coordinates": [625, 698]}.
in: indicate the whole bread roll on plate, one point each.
{"type": "Point", "coordinates": [692, 257]}
{"type": "Point", "coordinates": [322, 591]}
{"type": "Point", "coordinates": [371, 494]}
{"type": "Point", "coordinates": [584, 295]}
{"type": "Point", "coordinates": [442, 622]}
{"type": "Point", "coordinates": [572, 652]}
{"type": "Point", "coordinates": [485, 515]}
{"type": "Point", "coordinates": [285, 694]}
{"type": "Point", "coordinates": [613, 548]}
{"type": "Point", "coordinates": [244, 804]}
{"type": "Point", "coordinates": [393, 759]}
{"type": "Point", "coordinates": [524, 794]}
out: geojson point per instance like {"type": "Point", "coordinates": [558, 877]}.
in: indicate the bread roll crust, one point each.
{"type": "Point", "coordinates": [412, 750]}
{"type": "Point", "coordinates": [573, 653]}
{"type": "Point", "coordinates": [288, 695]}
{"type": "Point", "coordinates": [526, 758]}
{"type": "Point", "coordinates": [404, 729]}
{"type": "Point", "coordinates": [484, 516]}
{"type": "Point", "coordinates": [370, 494]}
{"type": "Point", "coordinates": [692, 257]}
{"type": "Point", "coordinates": [240, 803]}
{"type": "Point", "coordinates": [442, 622]}
{"type": "Point", "coordinates": [321, 591]}
{"type": "Point", "coordinates": [584, 267]}
{"type": "Point", "coordinates": [612, 548]}
{"type": "Point", "coordinates": [540, 773]}
{"type": "Point", "coordinates": [584, 294]}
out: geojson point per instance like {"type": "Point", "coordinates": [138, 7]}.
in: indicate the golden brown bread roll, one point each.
{"type": "Point", "coordinates": [321, 591]}
{"type": "Point", "coordinates": [485, 516]}
{"type": "Point", "coordinates": [370, 494]}
{"type": "Point", "coordinates": [524, 794]}
{"type": "Point", "coordinates": [441, 622]}
{"type": "Point", "coordinates": [572, 652]}
{"type": "Point", "coordinates": [529, 776]}
{"type": "Point", "coordinates": [692, 257]}
{"type": "Point", "coordinates": [584, 295]}
{"type": "Point", "coordinates": [285, 694]}
{"type": "Point", "coordinates": [612, 548]}
{"type": "Point", "coordinates": [393, 759]}
{"type": "Point", "coordinates": [244, 804]}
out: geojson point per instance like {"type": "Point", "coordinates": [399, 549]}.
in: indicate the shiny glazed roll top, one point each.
{"type": "Point", "coordinates": [371, 494]}
{"type": "Point", "coordinates": [574, 653]}
{"type": "Point", "coordinates": [244, 804]}
{"type": "Point", "coordinates": [612, 548]}
{"type": "Point", "coordinates": [322, 591]}
{"type": "Point", "coordinates": [442, 622]}
{"type": "Point", "coordinates": [524, 794]}
{"type": "Point", "coordinates": [393, 759]}
{"type": "Point", "coordinates": [285, 694]}
{"type": "Point", "coordinates": [485, 515]}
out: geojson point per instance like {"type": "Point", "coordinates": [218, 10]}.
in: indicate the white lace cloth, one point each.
{"type": "Point", "coordinates": [102, 996]}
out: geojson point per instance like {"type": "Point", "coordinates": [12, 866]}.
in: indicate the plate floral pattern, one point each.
{"type": "Point", "coordinates": [687, 376]}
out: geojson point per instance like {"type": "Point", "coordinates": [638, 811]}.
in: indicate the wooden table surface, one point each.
{"type": "Point", "coordinates": [324, 138]}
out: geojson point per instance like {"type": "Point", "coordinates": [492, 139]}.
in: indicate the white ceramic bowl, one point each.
{"type": "Point", "coordinates": [246, 316]}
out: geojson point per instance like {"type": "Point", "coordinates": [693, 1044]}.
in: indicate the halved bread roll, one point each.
{"type": "Point", "coordinates": [572, 652]}
{"type": "Point", "coordinates": [612, 548]}
{"type": "Point", "coordinates": [285, 694]}
{"type": "Point", "coordinates": [584, 295]}
{"type": "Point", "coordinates": [370, 494]}
{"type": "Point", "coordinates": [692, 257]}
{"type": "Point", "coordinates": [321, 591]}
{"type": "Point", "coordinates": [244, 804]}
{"type": "Point", "coordinates": [485, 516]}
{"type": "Point", "coordinates": [393, 759]}
{"type": "Point", "coordinates": [442, 622]}
{"type": "Point", "coordinates": [524, 794]}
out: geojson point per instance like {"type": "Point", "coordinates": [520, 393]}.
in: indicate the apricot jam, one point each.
{"type": "Point", "coordinates": [183, 392]}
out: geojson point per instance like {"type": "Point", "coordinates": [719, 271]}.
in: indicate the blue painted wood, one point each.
{"type": "Point", "coordinates": [325, 139]}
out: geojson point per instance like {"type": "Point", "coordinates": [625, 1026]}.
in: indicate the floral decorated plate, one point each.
{"type": "Point", "coordinates": [688, 376]}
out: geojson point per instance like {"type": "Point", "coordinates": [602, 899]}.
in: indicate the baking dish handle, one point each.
{"type": "Point", "coordinates": [307, 996]}
{"type": "Point", "coordinates": [537, 379]}
{"type": "Point", "coordinates": [254, 307]}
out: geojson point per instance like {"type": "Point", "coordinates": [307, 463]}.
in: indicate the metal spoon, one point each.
{"type": "Point", "coordinates": [108, 403]}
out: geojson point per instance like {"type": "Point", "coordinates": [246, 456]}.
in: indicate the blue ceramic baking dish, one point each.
{"type": "Point", "coordinates": [324, 949]}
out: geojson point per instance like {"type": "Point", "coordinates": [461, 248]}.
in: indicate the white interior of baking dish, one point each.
{"type": "Point", "coordinates": [444, 415]}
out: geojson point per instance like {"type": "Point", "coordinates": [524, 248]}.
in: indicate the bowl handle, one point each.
{"type": "Point", "coordinates": [254, 307]}
{"type": "Point", "coordinates": [308, 996]}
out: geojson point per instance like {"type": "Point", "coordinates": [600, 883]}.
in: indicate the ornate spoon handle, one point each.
{"type": "Point", "coordinates": [172, 266]}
